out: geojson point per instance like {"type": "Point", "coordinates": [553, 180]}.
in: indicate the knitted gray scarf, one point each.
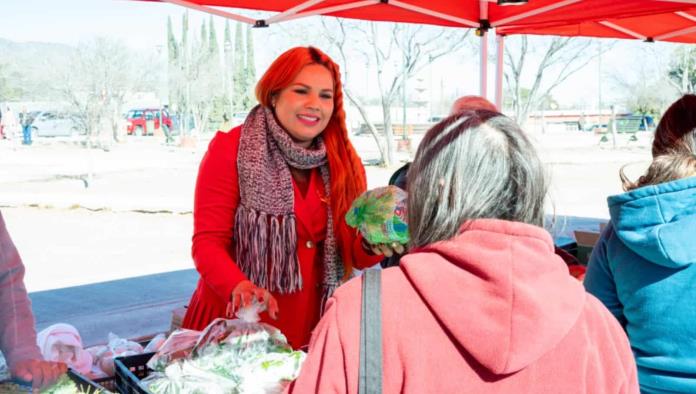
{"type": "Point", "coordinates": [265, 231]}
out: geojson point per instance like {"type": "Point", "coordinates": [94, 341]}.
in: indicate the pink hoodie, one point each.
{"type": "Point", "coordinates": [492, 310]}
{"type": "Point", "coordinates": [17, 333]}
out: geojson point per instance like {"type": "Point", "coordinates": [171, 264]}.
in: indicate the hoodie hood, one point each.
{"type": "Point", "coordinates": [499, 290]}
{"type": "Point", "coordinates": [657, 222]}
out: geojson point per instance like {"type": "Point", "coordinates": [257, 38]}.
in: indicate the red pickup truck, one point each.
{"type": "Point", "coordinates": [138, 120]}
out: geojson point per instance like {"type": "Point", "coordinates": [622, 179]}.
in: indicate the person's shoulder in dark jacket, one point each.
{"type": "Point", "coordinates": [399, 179]}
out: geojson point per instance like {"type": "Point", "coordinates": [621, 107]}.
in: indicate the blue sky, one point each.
{"type": "Point", "coordinates": [138, 23]}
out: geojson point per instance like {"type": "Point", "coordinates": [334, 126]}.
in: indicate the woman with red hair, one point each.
{"type": "Point", "coordinates": [270, 201]}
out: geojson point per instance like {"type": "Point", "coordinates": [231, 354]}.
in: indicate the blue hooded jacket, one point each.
{"type": "Point", "coordinates": [643, 269]}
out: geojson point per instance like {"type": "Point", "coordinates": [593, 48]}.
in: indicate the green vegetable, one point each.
{"type": "Point", "coordinates": [65, 385]}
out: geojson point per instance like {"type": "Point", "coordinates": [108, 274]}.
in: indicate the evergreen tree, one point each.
{"type": "Point", "coordinates": [250, 70]}
{"type": "Point", "coordinates": [172, 64]}
{"type": "Point", "coordinates": [203, 48]}
{"type": "Point", "coordinates": [239, 79]}
{"type": "Point", "coordinates": [184, 57]}
{"type": "Point", "coordinates": [227, 67]}
{"type": "Point", "coordinates": [184, 38]}
{"type": "Point", "coordinates": [219, 103]}
{"type": "Point", "coordinates": [172, 47]}
{"type": "Point", "coordinates": [212, 39]}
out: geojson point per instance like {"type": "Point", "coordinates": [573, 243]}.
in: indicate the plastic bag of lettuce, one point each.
{"type": "Point", "coordinates": [232, 356]}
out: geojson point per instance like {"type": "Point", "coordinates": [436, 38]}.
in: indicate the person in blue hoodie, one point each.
{"type": "Point", "coordinates": [643, 267]}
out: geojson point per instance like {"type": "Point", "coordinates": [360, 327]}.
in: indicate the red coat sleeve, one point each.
{"type": "Point", "coordinates": [215, 204]}
{"type": "Point", "coordinates": [362, 258]}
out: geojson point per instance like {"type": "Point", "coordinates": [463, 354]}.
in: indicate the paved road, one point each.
{"type": "Point", "coordinates": [130, 308]}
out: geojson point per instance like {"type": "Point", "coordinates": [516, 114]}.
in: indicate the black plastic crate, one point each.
{"type": "Point", "coordinates": [109, 382]}
{"type": "Point", "coordinates": [83, 384]}
{"type": "Point", "coordinates": [130, 370]}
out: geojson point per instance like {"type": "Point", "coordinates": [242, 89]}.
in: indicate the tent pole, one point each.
{"type": "Point", "coordinates": [482, 31]}
{"type": "Point", "coordinates": [483, 91]}
{"type": "Point", "coordinates": [499, 59]}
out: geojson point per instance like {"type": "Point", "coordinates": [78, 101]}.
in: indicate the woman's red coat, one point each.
{"type": "Point", "coordinates": [215, 204]}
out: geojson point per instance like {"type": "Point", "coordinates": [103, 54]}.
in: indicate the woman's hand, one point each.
{"type": "Point", "coordinates": [40, 373]}
{"type": "Point", "coordinates": [244, 294]}
{"type": "Point", "coordinates": [388, 250]}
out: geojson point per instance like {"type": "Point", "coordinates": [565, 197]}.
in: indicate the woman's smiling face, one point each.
{"type": "Point", "coordinates": [304, 108]}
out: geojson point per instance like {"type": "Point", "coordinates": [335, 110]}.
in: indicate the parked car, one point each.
{"type": "Point", "coordinates": [436, 118]}
{"type": "Point", "coordinates": [139, 118]}
{"type": "Point", "coordinates": [53, 124]}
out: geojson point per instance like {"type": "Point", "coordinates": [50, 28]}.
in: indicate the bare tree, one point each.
{"type": "Point", "coordinates": [398, 52]}
{"type": "Point", "coordinates": [682, 70]}
{"type": "Point", "coordinates": [96, 83]}
{"type": "Point", "coordinates": [648, 89]}
{"type": "Point", "coordinates": [338, 41]}
{"type": "Point", "coordinates": [560, 58]}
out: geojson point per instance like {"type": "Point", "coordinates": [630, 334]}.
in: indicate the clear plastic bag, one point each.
{"type": "Point", "coordinates": [155, 343]}
{"type": "Point", "coordinates": [179, 345]}
{"type": "Point", "coordinates": [116, 347]}
{"type": "Point", "coordinates": [232, 356]}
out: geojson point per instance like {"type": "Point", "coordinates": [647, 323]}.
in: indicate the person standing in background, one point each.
{"type": "Point", "coordinates": [9, 124]}
{"type": "Point", "coordinates": [25, 121]}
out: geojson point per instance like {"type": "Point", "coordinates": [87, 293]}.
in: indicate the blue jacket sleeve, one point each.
{"type": "Point", "coordinates": [599, 279]}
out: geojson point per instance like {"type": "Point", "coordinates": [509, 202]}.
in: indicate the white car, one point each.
{"type": "Point", "coordinates": [53, 124]}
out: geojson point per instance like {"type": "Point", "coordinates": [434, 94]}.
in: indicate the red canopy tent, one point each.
{"type": "Point", "coordinates": [674, 26]}
{"type": "Point", "coordinates": [649, 20]}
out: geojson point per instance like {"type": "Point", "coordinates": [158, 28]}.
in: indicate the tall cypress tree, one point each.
{"type": "Point", "coordinates": [250, 69]}
{"type": "Point", "coordinates": [184, 35]}
{"type": "Point", "coordinates": [227, 66]}
{"type": "Point", "coordinates": [173, 57]}
{"type": "Point", "coordinates": [238, 77]}
{"type": "Point", "coordinates": [212, 39]}
{"type": "Point", "coordinates": [204, 42]}
{"type": "Point", "coordinates": [172, 48]}
{"type": "Point", "coordinates": [184, 56]}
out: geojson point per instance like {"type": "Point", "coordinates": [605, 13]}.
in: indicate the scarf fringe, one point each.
{"type": "Point", "coordinates": [327, 293]}
{"type": "Point", "coordinates": [255, 232]}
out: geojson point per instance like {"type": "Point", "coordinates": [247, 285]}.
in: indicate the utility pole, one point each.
{"type": "Point", "coordinates": [599, 79]}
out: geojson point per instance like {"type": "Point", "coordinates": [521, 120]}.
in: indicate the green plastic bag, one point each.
{"type": "Point", "coordinates": [380, 215]}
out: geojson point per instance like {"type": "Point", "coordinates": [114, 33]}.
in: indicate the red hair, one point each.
{"type": "Point", "coordinates": [346, 169]}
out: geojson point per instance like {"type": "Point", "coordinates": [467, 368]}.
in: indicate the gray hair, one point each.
{"type": "Point", "coordinates": [474, 165]}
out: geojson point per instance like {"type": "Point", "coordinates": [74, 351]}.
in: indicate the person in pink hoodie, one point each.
{"type": "Point", "coordinates": [17, 332]}
{"type": "Point", "coordinates": [480, 304]}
